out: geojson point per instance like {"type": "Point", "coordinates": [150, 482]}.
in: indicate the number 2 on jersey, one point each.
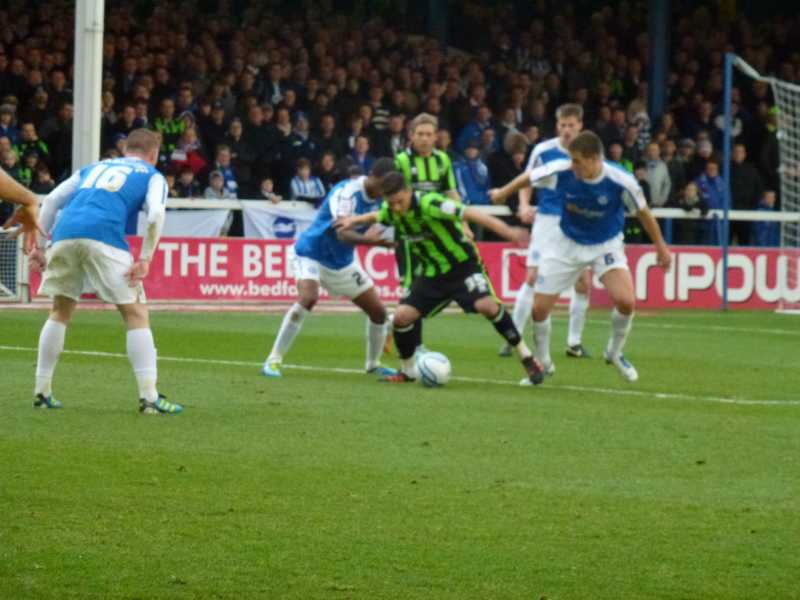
{"type": "Point", "coordinates": [107, 177]}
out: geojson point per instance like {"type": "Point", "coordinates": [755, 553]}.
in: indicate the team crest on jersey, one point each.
{"type": "Point", "coordinates": [602, 200]}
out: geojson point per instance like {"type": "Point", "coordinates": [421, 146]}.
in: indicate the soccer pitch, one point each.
{"type": "Point", "coordinates": [327, 484]}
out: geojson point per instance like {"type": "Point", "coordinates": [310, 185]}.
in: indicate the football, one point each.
{"type": "Point", "coordinates": [434, 369]}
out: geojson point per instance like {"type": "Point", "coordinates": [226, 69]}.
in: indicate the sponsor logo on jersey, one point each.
{"type": "Point", "coordinates": [602, 200]}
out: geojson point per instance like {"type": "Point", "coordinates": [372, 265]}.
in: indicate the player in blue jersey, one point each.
{"type": "Point", "coordinates": [88, 252]}
{"type": "Point", "coordinates": [327, 257]}
{"type": "Point", "coordinates": [590, 235]}
{"type": "Point", "coordinates": [549, 203]}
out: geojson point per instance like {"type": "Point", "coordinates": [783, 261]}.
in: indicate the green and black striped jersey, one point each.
{"type": "Point", "coordinates": [426, 174]}
{"type": "Point", "coordinates": [432, 227]}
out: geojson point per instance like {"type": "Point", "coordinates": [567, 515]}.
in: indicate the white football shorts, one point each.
{"type": "Point", "coordinates": [545, 228]}
{"type": "Point", "coordinates": [80, 266]}
{"type": "Point", "coordinates": [350, 281]}
{"type": "Point", "coordinates": [566, 259]}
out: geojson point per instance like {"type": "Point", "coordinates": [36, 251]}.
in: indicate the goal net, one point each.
{"type": "Point", "coordinates": [12, 274]}
{"type": "Point", "coordinates": [787, 101]}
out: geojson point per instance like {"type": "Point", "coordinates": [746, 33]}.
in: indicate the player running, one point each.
{"type": "Point", "coordinates": [590, 235]}
{"type": "Point", "coordinates": [88, 246]}
{"type": "Point", "coordinates": [325, 256]}
{"type": "Point", "coordinates": [451, 267]}
{"type": "Point", "coordinates": [569, 122]}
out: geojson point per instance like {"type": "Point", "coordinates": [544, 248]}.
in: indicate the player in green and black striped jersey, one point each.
{"type": "Point", "coordinates": [450, 268]}
{"type": "Point", "coordinates": [425, 169]}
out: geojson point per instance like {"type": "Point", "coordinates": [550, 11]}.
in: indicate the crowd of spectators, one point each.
{"type": "Point", "coordinates": [281, 100]}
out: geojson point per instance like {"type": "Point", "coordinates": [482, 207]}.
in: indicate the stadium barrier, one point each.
{"type": "Point", "coordinates": [249, 270]}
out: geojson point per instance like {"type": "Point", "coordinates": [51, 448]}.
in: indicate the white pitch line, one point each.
{"type": "Point", "coordinates": [571, 388]}
{"type": "Point", "coordinates": [700, 328]}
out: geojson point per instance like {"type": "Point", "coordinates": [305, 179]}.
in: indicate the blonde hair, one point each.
{"type": "Point", "coordinates": [142, 141]}
{"type": "Point", "coordinates": [424, 119]}
{"type": "Point", "coordinates": [570, 110]}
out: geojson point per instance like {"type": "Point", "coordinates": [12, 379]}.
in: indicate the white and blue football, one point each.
{"type": "Point", "coordinates": [434, 369]}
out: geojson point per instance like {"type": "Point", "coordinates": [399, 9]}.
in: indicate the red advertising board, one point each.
{"type": "Point", "coordinates": [205, 269]}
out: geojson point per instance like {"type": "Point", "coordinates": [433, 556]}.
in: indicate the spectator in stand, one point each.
{"type": "Point", "coordinates": [712, 191]}
{"type": "Point", "coordinates": [57, 133]}
{"type": "Point", "coordinates": [223, 166]}
{"type": "Point", "coordinates": [705, 153]}
{"type": "Point", "coordinates": [668, 127]}
{"type": "Point", "coordinates": [703, 120]}
{"type": "Point", "coordinates": [300, 144]}
{"type": "Point", "coordinates": [11, 164]}
{"type": "Point", "coordinates": [767, 233]}
{"type": "Point", "coordinates": [39, 107]}
{"type": "Point", "coordinates": [260, 135]}
{"type": "Point", "coordinates": [361, 155]}
{"type": "Point", "coordinates": [380, 112]}
{"type": "Point", "coordinates": [327, 172]}
{"type": "Point", "coordinates": [42, 181]}
{"type": "Point", "coordinates": [305, 187]}
{"type": "Point", "coordinates": [638, 117]}
{"type": "Point", "coordinates": [630, 145]}
{"type": "Point", "coordinates": [747, 190]}
{"type": "Point", "coordinates": [691, 231]}
{"type": "Point", "coordinates": [189, 153]}
{"type": "Point", "coordinates": [634, 233]}
{"type": "Point", "coordinates": [472, 175]}
{"type": "Point", "coordinates": [215, 129]}
{"type": "Point", "coordinates": [267, 191]}
{"type": "Point", "coordinates": [217, 190]}
{"type": "Point", "coordinates": [242, 158]}
{"type": "Point", "coordinates": [328, 139]}
{"type": "Point", "coordinates": [475, 128]}
{"type": "Point", "coordinates": [444, 142]}
{"type": "Point", "coordinates": [616, 155]}
{"type": "Point", "coordinates": [169, 127]}
{"type": "Point", "coordinates": [187, 186]}
{"type": "Point", "coordinates": [125, 123]}
{"type": "Point", "coordinates": [676, 168]}
{"type": "Point", "coordinates": [615, 131]}
{"type": "Point", "coordinates": [657, 176]}
{"type": "Point", "coordinates": [29, 140]}
{"type": "Point", "coordinates": [7, 127]}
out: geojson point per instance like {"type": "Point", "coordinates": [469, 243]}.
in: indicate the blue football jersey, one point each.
{"type": "Point", "coordinates": [108, 196]}
{"type": "Point", "coordinates": [594, 211]}
{"type": "Point", "coordinates": [548, 202]}
{"type": "Point", "coordinates": [319, 241]}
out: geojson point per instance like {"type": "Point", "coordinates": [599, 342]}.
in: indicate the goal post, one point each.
{"type": "Point", "coordinates": [787, 102]}
{"type": "Point", "coordinates": [13, 269]}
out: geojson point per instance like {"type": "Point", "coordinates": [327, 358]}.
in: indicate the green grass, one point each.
{"type": "Point", "coordinates": [330, 485]}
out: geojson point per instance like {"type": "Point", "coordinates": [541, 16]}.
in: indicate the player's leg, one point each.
{"type": "Point", "coordinates": [523, 305]}
{"type": "Point", "coordinates": [51, 344]}
{"type": "Point", "coordinates": [543, 305]}
{"type": "Point", "coordinates": [578, 306]}
{"type": "Point", "coordinates": [377, 330]}
{"type": "Point", "coordinates": [63, 281]}
{"type": "Point", "coordinates": [143, 357]}
{"type": "Point", "coordinates": [406, 339]}
{"type": "Point", "coordinates": [619, 284]}
{"type": "Point", "coordinates": [307, 272]}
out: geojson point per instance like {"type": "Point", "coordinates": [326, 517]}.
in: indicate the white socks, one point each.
{"type": "Point", "coordinates": [142, 354]}
{"type": "Point", "coordinates": [578, 306]}
{"type": "Point", "coordinates": [376, 336]}
{"type": "Point", "coordinates": [292, 322]}
{"type": "Point", "coordinates": [51, 344]}
{"type": "Point", "coordinates": [620, 326]}
{"type": "Point", "coordinates": [409, 366]}
{"type": "Point", "coordinates": [541, 335]}
{"type": "Point", "coordinates": [523, 305]}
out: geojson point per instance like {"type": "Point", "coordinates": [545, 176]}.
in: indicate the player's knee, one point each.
{"type": "Point", "coordinates": [625, 305]}
{"type": "Point", "coordinates": [582, 285]}
{"type": "Point", "coordinates": [60, 316]}
{"type": "Point", "coordinates": [377, 315]}
{"type": "Point", "coordinates": [488, 307]}
{"type": "Point", "coordinates": [540, 313]}
{"type": "Point", "coordinates": [309, 299]}
{"type": "Point", "coordinates": [403, 317]}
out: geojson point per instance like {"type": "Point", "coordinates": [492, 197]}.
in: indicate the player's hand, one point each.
{"type": "Point", "coordinates": [37, 260]}
{"type": "Point", "coordinates": [138, 272]}
{"type": "Point", "coordinates": [27, 218]}
{"type": "Point", "coordinates": [343, 223]}
{"type": "Point", "coordinates": [520, 236]}
{"type": "Point", "coordinates": [468, 231]}
{"type": "Point", "coordinates": [526, 214]}
{"type": "Point", "coordinates": [276, 199]}
{"type": "Point", "coordinates": [663, 257]}
{"type": "Point", "coordinates": [495, 196]}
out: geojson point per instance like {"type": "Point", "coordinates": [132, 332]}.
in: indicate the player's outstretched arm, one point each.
{"type": "Point", "coordinates": [512, 234]}
{"type": "Point", "coordinates": [372, 237]}
{"type": "Point", "coordinates": [499, 195]}
{"type": "Point", "coordinates": [650, 225]}
{"type": "Point", "coordinates": [345, 223]}
{"type": "Point", "coordinates": [27, 215]}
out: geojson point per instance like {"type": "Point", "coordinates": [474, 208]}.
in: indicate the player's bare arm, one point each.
{"type": "Point", "coordinates": [513, 234]}
{"type": "Point", "coordinates": [371, 237]}
{"type": "Point", "coordinates": [344, 223]}
{"type": "Point", "coordinates": [520, 182]}
{"type": "Point", "coordinates": [650, 225]}
{"type": "Point", "coordinates": [156, 195]}
{"type": "Point", "coordinates": [525, 211]}
{"type": "Point", "coordinates": [26, 216]}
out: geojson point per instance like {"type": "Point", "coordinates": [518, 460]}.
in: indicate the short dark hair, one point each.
{"type": "Point", "coordinates": [586, 143]}
{"type": "Point", "coordinates": [570, 110]}
{"type": "Point", "coordinates": [303, 163]}
{"type": "Point", "coordinates": [392, 183]}
{"type": "Point", "coordinates": [382, 167]}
